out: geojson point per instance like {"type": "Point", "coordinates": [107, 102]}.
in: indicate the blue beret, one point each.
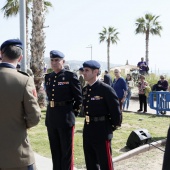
{"type": "Point", "coordinates": [91, 64]}
{"type": "Point", "coordinates": [81, 69]}
{"type": "Point", "coordinates": [56, 54]}
{"type": "Point", "coordinates": [14, 42]}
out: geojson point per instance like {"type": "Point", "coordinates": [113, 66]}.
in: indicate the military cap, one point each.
{"type": "Point", "coordinates": [56, 54]}
{"type": "Point", "coordinates": [91, 64]}
{"type": "Point", "coordinates": [81, 69]}
{"type": "Point", "coordinates": [14, 42]}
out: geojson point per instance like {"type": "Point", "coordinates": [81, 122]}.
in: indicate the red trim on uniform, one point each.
{"type": "Point", "coordinates": [72, 148]}
{"type": "Point", "coordinates": [109, 156]}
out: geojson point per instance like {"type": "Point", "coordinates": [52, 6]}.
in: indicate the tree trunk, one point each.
{"type": "Point", "coordinates": [37, 49]}
{"type": "Point", "coordinates": [147, 48]}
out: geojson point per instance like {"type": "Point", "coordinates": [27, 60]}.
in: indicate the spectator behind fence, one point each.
{"type": "Point", "coordinates": [143, 67]}
{"type": "Point", "coordinates": [162, 84]}
{"type": "Point", "coordinates": [19, 110]}
{"type": "Point", "coordinates": [120, 87]}
{"type": "Point", "coordinates": [142, 97]}
{"type": "Point", "coordinates": [107, 78]}
{"type": "Point", "coordinates": [130, 85]}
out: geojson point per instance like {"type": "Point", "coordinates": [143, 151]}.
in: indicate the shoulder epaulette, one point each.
{"type": "Point", "coordinates": [23, 73]}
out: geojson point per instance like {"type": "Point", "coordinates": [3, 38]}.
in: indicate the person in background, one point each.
{"type": "Point", "coordinates": [18, 67]}
{"type": "Point", "coordinates": [19, 110]}
{"type": "Point", "coordinates": [130, 85]}
{"type": "Point", "coordinates": [120, 87]}
{"type": "Point", "coordinates": [81, 77]}
{"type": "Point", "coordinates": [107, 78]}
{"type": "Point", "coordinates": [143, 67]}
{"type": "Point", "coordinates": [102, 116]}
{"type": "Point", "coordinates": [64, 103]}
{"type": "Point", "coordinates": [141, 91]}
{"type": "Point", "coordinates": [162, 84]}
{"type": "Point", "coordinates": [166, 159]}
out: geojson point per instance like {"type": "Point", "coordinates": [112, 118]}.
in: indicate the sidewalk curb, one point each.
{"type": "Point", "coordinates": [138, 150]}
{"type": "Point", "coordinates": [140, 113]}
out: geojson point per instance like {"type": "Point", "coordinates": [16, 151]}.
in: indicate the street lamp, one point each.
{"type": "Point", "coordinates": [90, 46]}
{"type": "Point", "coordinates": [22, 10]}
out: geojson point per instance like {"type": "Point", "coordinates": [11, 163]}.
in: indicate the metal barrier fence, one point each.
{"type": "Point", "coordinates": [159, 101]}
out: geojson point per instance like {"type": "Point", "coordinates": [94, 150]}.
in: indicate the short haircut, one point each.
{"type": "Point", "coordinates": [11, 52]}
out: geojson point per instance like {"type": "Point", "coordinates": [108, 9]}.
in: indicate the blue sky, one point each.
{"type": "Point", "coordinates": [75, 24]}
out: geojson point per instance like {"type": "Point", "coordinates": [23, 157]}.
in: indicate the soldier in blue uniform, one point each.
{"type": "Point", "coordinates": [102, 116]}
{"type": "Point", "coordinates": [65, 99]}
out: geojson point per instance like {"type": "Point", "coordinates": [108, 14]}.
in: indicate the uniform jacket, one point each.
{"type": "Point", "coordinates": [100, 100]}
{"type": "Point", "coordinates": [19, 111]}
{"type": "Point", "coordinates": [61, 87]}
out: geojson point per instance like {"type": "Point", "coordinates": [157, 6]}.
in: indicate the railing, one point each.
{"type": "Point", "coordinates": [159, 100]}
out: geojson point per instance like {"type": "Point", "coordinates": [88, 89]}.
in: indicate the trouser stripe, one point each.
{"type": "Point", "coordinates": [110, 164]}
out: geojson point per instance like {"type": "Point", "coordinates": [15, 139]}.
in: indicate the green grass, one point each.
{"type": "Point", "coordinates": [157, 126]}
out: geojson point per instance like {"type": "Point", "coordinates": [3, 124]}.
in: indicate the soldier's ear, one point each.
{"type": "Point", "coordinates": [63, 61]}
{"type": "Point", "coordinates": [20, 58]}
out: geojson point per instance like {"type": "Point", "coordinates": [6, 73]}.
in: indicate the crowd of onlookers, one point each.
{"type": "Point", "coordinates": [123, 85]}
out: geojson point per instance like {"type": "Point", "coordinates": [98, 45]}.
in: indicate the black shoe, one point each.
{"type": "Point", "coordinates": [139, 110]}
{"type": "Point", "coordinates": [144, 111]}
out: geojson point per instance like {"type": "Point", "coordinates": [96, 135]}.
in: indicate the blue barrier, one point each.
{"type": "Point", "coordinates": [159, 100]}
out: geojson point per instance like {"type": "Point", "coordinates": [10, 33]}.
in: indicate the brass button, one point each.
{"type": "Point", "coordinates": [52, 99]}
{"type": "Point", "coordinates": [87, 100]}
{"type": "Point", "coordinates": [52, 94]}
{"type": "Point", "coordinates": [89, 95]}
{"type": "Point", "coordinates": [55, 76]}
{"type": "Point", "coordinates": [87, 112]}
{"type": "Point", "coordinates": [52, 89]}
{"type": "Point", "coordinates": [53, 84]}
{"type": "Point", "coordinates": [89, 89]}
{"type": "Point", "coordinates": [87, 106]}
{"type": "Point", "coordinates": [54, 80]}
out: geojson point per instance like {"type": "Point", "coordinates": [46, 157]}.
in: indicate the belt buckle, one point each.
{"type": "Point", "coordinates": [87, 119]}
{"type": "Point", "coordinates": [51, 103]}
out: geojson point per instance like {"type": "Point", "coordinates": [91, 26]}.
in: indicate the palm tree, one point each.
{"type": "Point", "coordinates": [11, 8]}
{"type": "Point", "coordinates": [109, 35]}
{"type": "Point", "coordinates": [38, 37]}
{"type": "Point", "coordinates": [146, 25]}
{"type": "Point", "coordinates": [37, 48]}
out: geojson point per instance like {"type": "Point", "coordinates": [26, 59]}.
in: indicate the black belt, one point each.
{"type": "Point", "coordinates": [95, 119]}
{"type": "Point", "coordinates": [62, 103]}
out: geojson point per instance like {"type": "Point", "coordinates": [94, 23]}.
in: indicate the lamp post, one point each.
{"type": "Point", "coordinates": [90, 46]}
{"type": "Point", "coordinates": [22, 10]}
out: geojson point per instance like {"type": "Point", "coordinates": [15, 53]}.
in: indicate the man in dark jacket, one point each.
{"type": "Point", "coordinates": [65, 99]}
{"type": "Point", "coordinates": [102, 116]}
{"type": "Point", "coordinates": [166, 161]}
{"type": "Point", "coordinates": [107, 78]}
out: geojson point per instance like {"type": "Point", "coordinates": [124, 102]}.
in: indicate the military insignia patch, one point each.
{"type": "Point", "coordinates": [34, 92]}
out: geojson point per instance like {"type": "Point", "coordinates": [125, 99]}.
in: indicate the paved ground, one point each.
{"type": "Point", "coordinates": [46, 163]}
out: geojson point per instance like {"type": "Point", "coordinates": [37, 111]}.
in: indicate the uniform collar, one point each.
{"type": "Point", "coordinates": [7, 65]}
